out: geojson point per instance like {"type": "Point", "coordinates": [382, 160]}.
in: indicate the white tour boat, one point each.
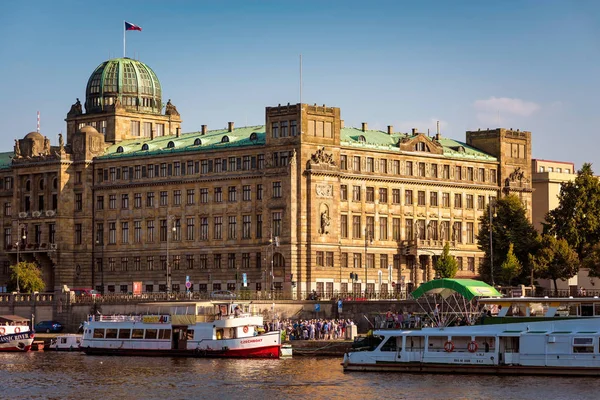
{"type": "Point", "coordinates": [15, 334]}
{"type": "Point", "coordinates": [525, 336]}
{"type": "Point", "coordinates": [196, 329]}
{"type": "Point", "coordinates": [66, 342]}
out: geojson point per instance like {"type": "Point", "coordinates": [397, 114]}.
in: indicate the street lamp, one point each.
{"type": "Point", "coordinates": [368, 240]}
{"type": "Point", "coordinates": [24, 237]}
{"type": "Point", "coordinates": [491, 217]}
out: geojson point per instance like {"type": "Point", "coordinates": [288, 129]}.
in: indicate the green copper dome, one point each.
{"type": "Point", "coordinates": [131, 82]}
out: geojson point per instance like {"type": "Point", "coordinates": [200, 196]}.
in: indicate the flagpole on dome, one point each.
{"type": "Point", "coordinates": [124, 30]}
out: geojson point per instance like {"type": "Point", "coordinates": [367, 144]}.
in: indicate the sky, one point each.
{"type": "Point", "coordinates": [529, 65]}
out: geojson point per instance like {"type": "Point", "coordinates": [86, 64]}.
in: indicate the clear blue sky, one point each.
{"type": "Point", "coordinates": [532, 65]}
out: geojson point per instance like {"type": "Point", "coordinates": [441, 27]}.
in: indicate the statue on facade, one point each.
{"type": "Point", "coordinates": [455, 232]}
{"type": "Point", "coordinates": [325, 222]}
{"type": "Point", "coordinates": [46, 145]}
{"type": "Point", "coordinates": [17, 149]}
{"type": "Point", "coordinates": [76, 109]}
{"type": "Point", "coordinates": [430, 231]}
{"type": "Point", "coordinates": [61, 143]}
{"type": "Point", "coordinates": [417, 230]}
{"type": "Point", "coordinates": [170, 109]}
{"type": "Point", "coordinates": [443, 231]}
{"type": "Point", "coordinates": [320, 157]}
{"type": "Point", "coordinates": [34, 151]}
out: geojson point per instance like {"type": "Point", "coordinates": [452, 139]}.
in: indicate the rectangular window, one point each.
{"type": "Point", "coordinates": [470, 233]}
{"type": "Point", "coordinates": [261, 161]}
{"type": "Point", "coordinates": [232, 227]}
{"type": "Point", "coordinates": [370, 194]}
{"type": "Point", "coordinates": [396, 229]}
{"type": "Point", "coordinates": [383, 195]}
{"type": "Point", "coordinates": [231, 260]}
{"type": "Point", "coordinates": [246, 193]}
{"type": "Point", "coordinates": [147, 129]}
{"type": "Point", "coordinates": [421, 169]}
{"type": "Point", "coordinates": [320, 259]}
{"type": "Point", "coordinates": [457, 232]}
{"type": "Point", "coordinates": [246, 226]}
{"type": "Point", "coordinates": [446, 172]}
{"type": "Point", "coordinates": [99, 203]}
{"type": "Point", "coordinates": [356, 231]}
{"type": "Point", "coordinates": [164, 198]}
{"type": "Point", "coordinates": [480, 202]}
{"type": "Point", "coordinates": [78, 233]}
{"type": "Point", "coordinates": [357, 260]}
{"type": "Point", "coordinates": [383, 163]}
{"type": "Point", "coordinates": [370, 164]}
{"type": "Point", "coordinates": [204, 195]}
{"type": "Point", "coordinates": [112, 233]}
{"type": "Point", "coordinates": [408, 229]}
{"type": "Point", "coordinates": [112, 201]}
{"type": "Point", "coordinates": [469, 201]}
{"type": "Point", "coordinates": [481, 175]}
{"type": "Point", "coordinates": [78, 201]}
{"type": "Point", "coordinates": [421, 197]}
{"type": "Point", "coordinates": [293, 127]}
{"type": "Point", "coordinates": [434, 170]}
{"type": "Point", "coordinates": [163, 230]}
{"type": "Point", "coordinates": [276, 190]}
{"type": "Point", "coordinates": [433, 199]}
{"type": "Point", "coordinates": [176, 197]}
{"type": "Point", "coordinates": [343, 162]}
{"type": "Point", "coordinates": [137, 231]}
{"type": "Point", "coordinates": [445, 199]}
{"type": "Point", "coordinates": [343, 193]}
{"type": "Point", "coordinates": [470, 173]}
{"type": "Point", "coordinates": [203, 261]}
{"type": "Point", "coordinates": [150, 199]}
{"type": "Point", "coordinates": [245, 260]}
{"type": "Point", "coordinates": [190, 222]}
{"type": "Point", "coordinates": [370, 227]}
{"type": "Point", "coordinates": [150, 169]}
{"type": "Point", "coordinates": [259, 226]}
{"type": "Point", "coordinates": [356, 163]}
{"type": "Point", "coordinates": [124, 232]}
{"type": "Point", "coordinates": [204, 228]}
{"type": "Point", "coordinates": [396, 196]}
{"type": "Point", "coordinates": [409, 168]}
{"type": "Point", "coordinates": [396, 167]}
{"type": "Point", "coordinates": [343, 226]}
{"type": "Point", "coordinates": [284, 128]}
{"type": "Point", "coordinates": [218, 195]}
{"type": "Point", "coordinates": [259, 191]}
{"type": "Point", "coordinates": [232, 194]}
{"type": "Point", "coordinates": [408, 197]}
{"type": "Point", "coordinates": [493, 176]}
{"type": "Point", "coordinates": [137, 200]}
{"type": "Point", "coordinates": [191, 196]}
{"type": "Point", "coordinates": [275, 129]}
{"type": "Point", "coordinates": [150, 231]}
{"type": "Point", "coordinates": [457, 200]}
{"type": "Point", "coordinates": [277, 219]}
{"type": "Point", "coordinates": [135, 128]}
{"type": "Point", "coordinates": [218, 228]}
{"type": "Point", "coordinates": [458, 173]}
{"type": "Point", "coordinates": [355, 193]}
{"type": "Point", "coordinates": [125, 201]}
{"type": "Point", "coordinates": [383, 228]}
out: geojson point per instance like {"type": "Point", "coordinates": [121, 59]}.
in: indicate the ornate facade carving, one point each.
{"type": "Point", "coordinates": [325, 219]}
{"type": "Point", "coordinates": [320, 157]}
{"type": "Point", "coordinates": [324, 190]}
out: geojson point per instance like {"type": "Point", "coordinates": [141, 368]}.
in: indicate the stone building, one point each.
{"type": "Point", "coordinates": [299, 203]}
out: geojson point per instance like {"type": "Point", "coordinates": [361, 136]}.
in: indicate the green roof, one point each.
{"type": "Point", "coordinates": [187, 142]}
{"type": "Point", "coordinates": [468, 288]}
{"type": "Point", "coordinates": [6, 160]}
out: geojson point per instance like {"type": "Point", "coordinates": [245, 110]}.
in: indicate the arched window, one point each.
{"type": "Point", "coordinates": [253, 137]}
{"type": "Point", "coordinates": [197, 142]}
{"type": "Point", "coordinates": [55, 183]}
{"type": "Point", "coordinates": [145, 147]}
{"type": "Point", "coordinates": [362, 139]}
{"type": "Point", "coordinates": [120, 149]}
{"type": "Point", "coordinates": [225, 139]}
{"type": "Point", "coordinates": [170, 145]}
{"type": "Point", "coordinates": [28, 185]}
{"type": "Point", "coordinates": [42, 184]}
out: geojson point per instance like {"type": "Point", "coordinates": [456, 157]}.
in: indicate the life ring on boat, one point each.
{"type": "Point", "coordinates": [17, 329]}
{"type": "Point", "coordinates": [472, 347]}
{"type": "Point", "coordinates": [2, 330]}
{"type": "Point", "coordinates": [448, 347]}
{"type": "Point", "coordinates": [246, 329]}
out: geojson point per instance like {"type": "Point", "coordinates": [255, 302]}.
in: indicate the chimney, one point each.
{"type": "Point", "coordinates": [438, 136]}
{"type": "Point", "coordinates": [177, 131]}
{"type": "Point", "coordinates": [230, 126]}
{"type": "Point", "coordinates": [390, 129]}
{"type": "Point", "coordinates": [364, 127]}
{"type": "Point", "coordinates": [204, 128]}
{"type": "Point", "coordinates": [414, 131]}
{"type": "Point", "coordinates": [341, 124]}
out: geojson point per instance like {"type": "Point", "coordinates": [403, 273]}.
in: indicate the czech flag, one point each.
{"type": "Point", "coordinates": [132, 27]}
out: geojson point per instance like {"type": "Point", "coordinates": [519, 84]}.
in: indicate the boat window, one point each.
{"type": "Point", "coordinates": [190, 334]}
{"type": "Point", "coordinates": [137, 334]}
{"type": "Point", "coordinates": [487, 344]}
{"type": "Point", "coordinates": [111, 333]}
{"type": "Point", "coordinates": [63, 340]}
{"type": "Point", "coordinates": [390, 344]}
{"type": "Point", "coordinates": [583, 345]}
{"type": "Point", "coordinates": [151, 333]}
{"type": "Point", "coordinates": [98, 333]}
{"type": "Point", "coordinates": [124, 333]}
{"type": "Point", "coordinates": [164, 334]}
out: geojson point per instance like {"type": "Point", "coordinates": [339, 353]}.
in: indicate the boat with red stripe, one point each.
{"type": "Point", "coordinates": [15, 334]}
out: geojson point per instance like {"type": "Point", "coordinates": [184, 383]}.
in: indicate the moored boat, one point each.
{"type": "Point", "coordinates": [556, 342]}
{"type": "Point", "coordinates": [196, 329]}
{"type": "Point", "coordinates": [66, 342]}
{"type": "Point", "coordinates": [15, 334]}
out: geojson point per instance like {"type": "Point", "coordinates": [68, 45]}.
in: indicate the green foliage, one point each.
{"type": "Point", "coordinates": [511, 267]}
{"type": "Point", "coordinates": [592, 261]}
{"type": "Point", "coordinates": [446, 265]}
{"type": "Point", "coordinates": [577, 217]}
{"type": "Point", "coordinates": [510, 226]}
{"type": "Point", "coordinates": [555, 260]}
{"type": "Point", "coordinates": [30, 278]}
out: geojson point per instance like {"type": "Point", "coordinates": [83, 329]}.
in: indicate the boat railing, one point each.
{"type": "Point", "coordinates": [115, 318]}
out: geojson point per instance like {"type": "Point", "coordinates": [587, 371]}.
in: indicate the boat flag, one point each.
{"type": "Point", "coordinates": [129, 27]}
{"type": "Point", "coordinates": [132, 27]}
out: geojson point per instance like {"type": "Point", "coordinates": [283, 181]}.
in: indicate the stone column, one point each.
{"type": "Point", "coordinates": [417, 272]}
{"type": "Point", "coordinates": [429, 268]}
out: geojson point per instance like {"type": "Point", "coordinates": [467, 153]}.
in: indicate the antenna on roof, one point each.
{"type": "Point", "coordinates": [301, 78]}
{"type": "Point", "coordinates": [38, 122]}
{"type": "Point", "coordinates": [438, 127]}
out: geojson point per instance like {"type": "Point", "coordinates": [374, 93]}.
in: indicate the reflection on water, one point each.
{"type": "Point", "coordinates": [74, 376]}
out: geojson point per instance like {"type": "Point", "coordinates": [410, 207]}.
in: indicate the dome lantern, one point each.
{"type": "Point", "coordinates": [124, 81]}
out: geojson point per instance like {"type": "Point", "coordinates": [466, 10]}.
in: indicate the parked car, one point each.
{"type": "Point", "coordinates": [223, 294]}
{"type": "Point", "coordinates": [48, 327]}
{"type": "Point", "coordinates": [85, 292]}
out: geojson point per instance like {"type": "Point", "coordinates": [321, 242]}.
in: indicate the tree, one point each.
{"type": "Point", "coordinates": [577, 217]}
{"type": "Point", "coordinates": [446, 265]}
{"type": "Point", "coordinates": [511, 267]}
{"type": "Point", "coordinates": [30, 277]}
{"type": "Point", "coordinates": [592, 261]}
{"type": "Point", "coordinates": [555, 260]}
{"type": "Point", "coordinates": [510, 226]}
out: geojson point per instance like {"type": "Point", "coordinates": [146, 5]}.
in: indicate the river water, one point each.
{"type": "Point", "coordinates": [52, 375]}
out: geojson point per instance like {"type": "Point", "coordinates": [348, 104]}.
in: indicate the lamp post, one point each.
{"type": "Point", "coordinates": [368, 240]}
{"type": "Point", "coordinates": [491, 217]}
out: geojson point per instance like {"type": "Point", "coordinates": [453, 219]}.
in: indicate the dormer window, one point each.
{"type": "Point", "coordinates": [362, 139]}
{"type": "Point", "coordinates": [120, 149]}
{"type": "Point", "coordinates": [420, 146]}
{"type": "Point", "coordinates": [225, 139]}
{"type": "Point", "coordinates": [197, 142]}
{"type": "Point", "coordinates": [171, 145]}
{"type": "Point", "coordinates": [253, 137]}
{"type": "Point", "coordinates": [145, 147]}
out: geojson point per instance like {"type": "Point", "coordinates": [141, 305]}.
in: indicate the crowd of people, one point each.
{"type": "Point", "coordinates": [313, 329]}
